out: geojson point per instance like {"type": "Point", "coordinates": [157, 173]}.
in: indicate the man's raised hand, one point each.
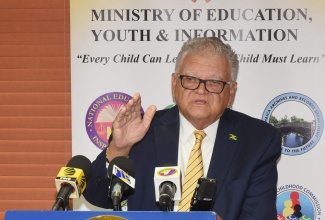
{"type": "Point", "coordinates": [129, 127]}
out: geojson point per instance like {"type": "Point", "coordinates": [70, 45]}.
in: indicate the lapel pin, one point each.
{"type": "Point", "coordinates": [232, 137]}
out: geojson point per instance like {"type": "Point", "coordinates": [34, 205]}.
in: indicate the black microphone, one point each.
{"type": "Point", "coordinates": [203, 195]}
{"type": "Point", "coordinates": [71, 181]}
{"type": "Point", "coordinates": [167, 186]}
{"type": "Point", "coordinates": [121, 173]}
{"type": "Point", "coordinates": [167, 192]}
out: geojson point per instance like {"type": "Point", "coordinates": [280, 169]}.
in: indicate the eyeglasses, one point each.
{"type": "Point", "coordinates": [192, 83]}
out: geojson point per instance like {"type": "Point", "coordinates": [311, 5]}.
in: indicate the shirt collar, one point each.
{"type": "Point", "coordinates": [186, 129]}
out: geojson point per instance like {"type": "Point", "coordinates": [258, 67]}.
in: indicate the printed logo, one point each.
{"type": "Point", "coordinates": [69, 171]}
{"type": "Point", "coordinates": [101, 114]}
{"type": "Point", "coordinates": [167, 172]}
{"type": "Point", "coordinates": [299, 120]}
{"type": "Point", "coordinates": [297, 202]}
{"type": "Point", "coordinates": [122, 175]}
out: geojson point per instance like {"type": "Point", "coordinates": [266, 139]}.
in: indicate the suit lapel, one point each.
{"type": "Point", "coordinates": [225, 146]}
{"type": "Point", "coordinates": [228, 136]}
{"type": "Point", "coordinates": [167, 138]}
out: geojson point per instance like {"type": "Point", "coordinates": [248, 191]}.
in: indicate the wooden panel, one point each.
{"type": "Point", "coordinates": [25, 205]}
{"type": "Point", "coordinates": [34, 38]}
{"type": "Point", "coordinates": [31, 86]}
{"type": "Point", "coordinates": [31, 26]}
{"type": "Point", "coordinates": [32, 14]}
{"type": "Point", "coordinates": [35, 134]}
{"type": "Point", "coordinates": [30, 194]}
{"type": "Point", "coordinates": [33, 158]}
{"type": "Point", "coordinates": [35, 74]}
{"type": "Point", "coordinates": [32, 4]}
{"type": "Point", "coordinates": [34, 122]}
{"type": "Point", "coordinates": [20, 182]}
{"type": "Point", "coordinates": [42, 110]}
{"type": "Point", "coordinates": [33, 62]}
{"type": "Point", "coordinates": [35, 98]}
{"type": "Point", "coordinates": [35, 146]}
{"type": "Point", "coordinates": [33, 50]}
{"type": "Point", "coordinates": [35, 103]}
{"type": "Point", "coordinates": [32, 170]}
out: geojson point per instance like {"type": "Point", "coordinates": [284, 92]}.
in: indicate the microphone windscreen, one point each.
{"type": "Point", "coordinates": [81, 162]}
{"type": "Point", "coordinates": [123, 163]}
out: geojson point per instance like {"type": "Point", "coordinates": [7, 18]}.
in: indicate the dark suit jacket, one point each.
{"type": "Point", "coordinates": [243, 162]}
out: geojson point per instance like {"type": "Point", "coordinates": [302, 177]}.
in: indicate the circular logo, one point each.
{"type": "Point", "coordinates": [299, 120]}
{"type": "Point", "coordinates": [297, 202]}
{"type": "Point", "coordinates": [167, 171]}
{"type": "Point", "coordinates": [101, 114]}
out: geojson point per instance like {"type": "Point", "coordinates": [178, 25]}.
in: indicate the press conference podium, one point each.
{"type": "Point", "coordinates": [109, 215]}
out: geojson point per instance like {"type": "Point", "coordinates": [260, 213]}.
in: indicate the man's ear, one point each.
{"type": "Point", "coordinates": [232, 94]}
{"type": "Point", "coordinates": [173, 84]}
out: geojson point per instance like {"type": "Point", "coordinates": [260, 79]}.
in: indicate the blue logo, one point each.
{"type": "Point", "coordinates": [122, 175]}
{"type": "Point", "coordinates": [299, 120]}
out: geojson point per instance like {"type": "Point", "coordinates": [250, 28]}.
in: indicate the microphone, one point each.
{"type": "Point", "coordinates": [121, 172]}
{"type": "Point", "coordinates": [71, 181]}
{"type": "Point", "coordinates": [167, 186]}
{"type": "Point", "coordinates": [203, 195]}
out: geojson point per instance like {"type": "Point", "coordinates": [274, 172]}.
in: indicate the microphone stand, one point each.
{"type": "Point", "coordinates": [66, 205]}
{"type": "Point", "coordinates": [62, 199]}
{"type": "Point", "coordinates": [166, 203]}
{"type": "Point", "coordinates": [116, 204]}
{"type": "Point", "coordinates": [170, 207]}
{"type": "Point", "coordinates": [116, 196]}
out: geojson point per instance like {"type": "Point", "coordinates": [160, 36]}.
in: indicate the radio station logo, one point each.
{"type": "Point", "coordinates": [101, 114]}
{"type": "Point", "coordinates": [299, 120]}
{"type": "Point", "coordinates": [167, 171]}
{"type": "Point", "coordinates": [297, 203]}
{"type": "Point", "coordinates": [121, 174]}
{"type": "Point", "coordinates": [69, 171]}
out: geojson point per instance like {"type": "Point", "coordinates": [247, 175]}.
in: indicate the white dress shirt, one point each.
{"type": "Point", "coordinates": [187, 141]}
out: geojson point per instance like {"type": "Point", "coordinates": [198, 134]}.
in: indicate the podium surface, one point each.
{"type": "Point", "coordinates": [109, 215]}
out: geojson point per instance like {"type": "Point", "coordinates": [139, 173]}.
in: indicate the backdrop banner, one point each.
{"type": "Point", "coordinates": [121, 47]}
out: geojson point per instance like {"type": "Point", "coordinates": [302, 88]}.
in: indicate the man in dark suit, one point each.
{"type": "Point", "coordinates": [238, 151]}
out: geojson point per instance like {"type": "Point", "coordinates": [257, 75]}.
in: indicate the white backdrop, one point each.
{"type": "Point", "coordinates": [121, 47]}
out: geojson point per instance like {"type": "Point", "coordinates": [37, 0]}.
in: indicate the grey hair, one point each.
{"type": "Point", "coordinates": [211, 46]}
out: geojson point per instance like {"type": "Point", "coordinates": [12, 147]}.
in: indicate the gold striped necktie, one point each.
{"type": "Point", "coordinates": [194, 171]}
